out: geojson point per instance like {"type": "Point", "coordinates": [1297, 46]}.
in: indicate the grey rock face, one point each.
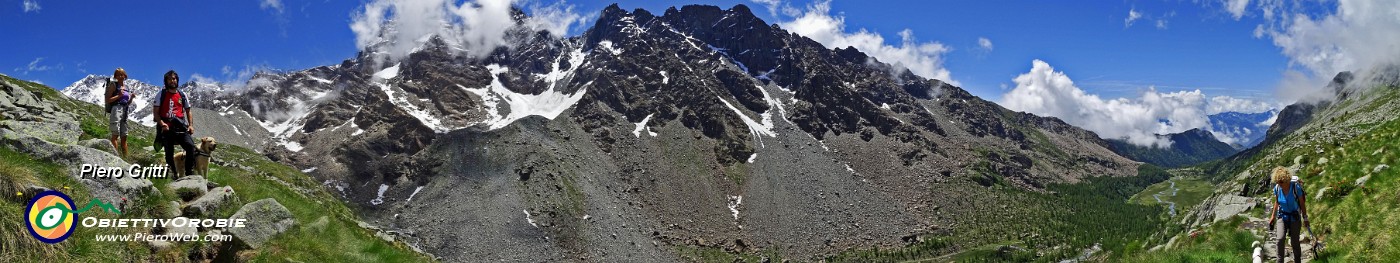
{"type": "Point", "coordinates": [35, 125]}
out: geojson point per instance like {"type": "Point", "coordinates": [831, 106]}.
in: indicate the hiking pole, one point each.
{"type": "Point", "coordinates": [1317, 243]}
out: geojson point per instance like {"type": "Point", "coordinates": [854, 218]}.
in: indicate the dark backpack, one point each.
{"type": "Point", "coordinates": [160, 101]}
{"type": "Point", "coordinates": [111, 89]}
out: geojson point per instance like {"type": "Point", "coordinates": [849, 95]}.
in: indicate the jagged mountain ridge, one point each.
{"type": "Point", "coordinates": [700, 127]}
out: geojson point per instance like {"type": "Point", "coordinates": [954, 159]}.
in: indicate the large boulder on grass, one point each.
{"type": "Point", "coordinates": [265, 219]}
{"type": "Point", "coordinates": [190, 187]}
{"type": "Point", "coordinates": [208, 202]}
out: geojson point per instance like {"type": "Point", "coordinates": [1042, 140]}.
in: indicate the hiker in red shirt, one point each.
{"type": "Point", "coordinates": [176, 122]}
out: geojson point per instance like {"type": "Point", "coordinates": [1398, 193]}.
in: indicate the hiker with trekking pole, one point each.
{"type": "Point", "coordinates": [1290, 204]}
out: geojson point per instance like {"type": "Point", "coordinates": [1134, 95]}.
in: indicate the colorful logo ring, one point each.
{"type": "Point", "coordinates": [50, 216]}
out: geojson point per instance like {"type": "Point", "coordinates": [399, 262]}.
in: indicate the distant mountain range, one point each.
{"type": "Point", "coordinates": [1187, 148]}
{"type": "Point", "coordinates": [1241, 130]}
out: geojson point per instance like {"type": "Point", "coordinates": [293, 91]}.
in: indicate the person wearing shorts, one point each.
{"type": "Point", "coordinates": [118, 99]}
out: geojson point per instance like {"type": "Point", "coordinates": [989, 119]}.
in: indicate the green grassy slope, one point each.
{"type": "Point", "coordinates": [1357, 221]}
{"type": "Point", "coordinates": [326, 229]}
{"type": "Point", "coordinates": [1022, 226]}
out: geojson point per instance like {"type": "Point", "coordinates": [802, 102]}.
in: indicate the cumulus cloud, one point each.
{"type": "Point", "coordinates": [922, 58]}
{"type": "Point", "coordinates": [985, 44]}
{"type": "Point", "coordinates": [1046, 92]}
{"type": "Point", "coordinates": [557, 18]}
{"type": "Point", "coordinates": [1220, 104]}
{"type": "Point", "coordinates": [1343, 35]}
{"type": "Point", "coordinates": [395, 28]}
{"type": "Point", "coordinates": [1133, 16]}
{"type": "Point", "coordinates": [31, 6]}
{"type": "Point", "coordinates": [1236, 7]}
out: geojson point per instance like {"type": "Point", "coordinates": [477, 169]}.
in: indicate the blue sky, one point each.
{"type": "Point", "coordinates": [1124, 69]}
{"type": "Point", "coordinates": [1201, 47]}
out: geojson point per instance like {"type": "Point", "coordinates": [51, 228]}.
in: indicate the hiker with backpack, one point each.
{"type": "Point", "coordinates": [118, 101]}
{"type": "Point", "coordinates": [175, 122]}
{"type": "Point", "coordinates": [1290, 204]}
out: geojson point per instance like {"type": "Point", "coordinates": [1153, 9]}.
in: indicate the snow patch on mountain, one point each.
{"type": "Point", "coordinates": [388, 73]}
{"type": "Point", "coordinates": [548, 104]}
{"type": "Point", "coordinates": [734, 202]}
{"type": "Point", "coordinates": [402, 102]}
{"type": "Point", "coordinates": [608, 46]}
{"type": "Point", "coordinates": [642, 126]}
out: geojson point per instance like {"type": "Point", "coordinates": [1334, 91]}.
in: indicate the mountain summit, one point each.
{"type": "Point", "coordinates": [701, 128]}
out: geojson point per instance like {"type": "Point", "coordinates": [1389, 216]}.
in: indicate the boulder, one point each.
{"type": "Point", "coordinates": [59, 132]}
{"type": "Point", "coordinates": [172, 210]}
{"type": "Point", "coordinates": [73, 157]}
{"type": "Point", "coordinates": [1362, 181]}
{"type": "Point", "coordinates": [1379, 168]}
{"type": "Point", "coordinates": [1231, 205]}
{"type": "Point", "coordinates": [129, 185]}
{"type": "Point", "coordinates": [190, 187]}
{"type": "Point", "coordinates": [1322, 192]}
{"type": "Point", "coordinates": [159, 245]}
{"type": "Point", "coordinates": [265, 219]}
{"type": "Point", "coordinates": [17, 103]}
{"type": "Point", "coordinates": [208, 202]}
{"type": "Point", "coordinates": [99, 144]}
{"type": "Point", "coordinates": [319, 224]}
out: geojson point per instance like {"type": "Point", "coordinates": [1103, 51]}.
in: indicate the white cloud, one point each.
{"type": "Point", "coordinates": [396, 28]}
{"type": "Point", "coordinates": [236, 80]}
{"type": "Point", "coordinates": [1133, 16]}
{"type": "Point", "coordinates": [1236, 7]}
{"type": "Point", "coordinates": [985, 44]}
{"type": "Point", "coordinates": [922, 58]}
{"type": "Point", "coordinates": [1046, 92]}
{"type": "Point", "coordinates": [1219, 104]}
{"type": "Point", "coordinates": [273, 5]}
{"type": "Point", "coordinates": [37, 66]}
{"type": "Point", "coordinates": [775, 6]}
{"type": "Point", "coordinates": [1356, 35]}
{"type": "Point", "coordinates": [31, 6]}
{"type": "Point", "coordinates": [278, 12]}
{"type": "Point", "coordinates": [557, 18]}
{"type": "Point", "coordinates": [1161, 24]}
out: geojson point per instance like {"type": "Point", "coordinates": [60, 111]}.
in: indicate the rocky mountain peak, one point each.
{"type": "Point", "coordinates": [697, 98]}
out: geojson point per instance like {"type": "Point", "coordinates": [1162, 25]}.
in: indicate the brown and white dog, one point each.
{"type": "Point", "coordinates": [206, 146]}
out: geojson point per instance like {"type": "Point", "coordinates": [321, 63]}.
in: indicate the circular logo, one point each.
{"type": "Point", "coordinates": [50, 216]}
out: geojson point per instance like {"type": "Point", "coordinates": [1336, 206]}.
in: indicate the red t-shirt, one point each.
{"type": "Point", "coordinates": [171, 108]}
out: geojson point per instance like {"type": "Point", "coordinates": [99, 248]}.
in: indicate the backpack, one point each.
{"type": "Point", "coordinates": [1296, 191]}
{"type": "Point", "coordinates": [111, 88]}
{"type": "Point", "coordinates": [160, 100]}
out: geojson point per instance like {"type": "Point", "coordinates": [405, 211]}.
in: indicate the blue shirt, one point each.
{"type": "Point", "coordinates": [1288, 203]}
